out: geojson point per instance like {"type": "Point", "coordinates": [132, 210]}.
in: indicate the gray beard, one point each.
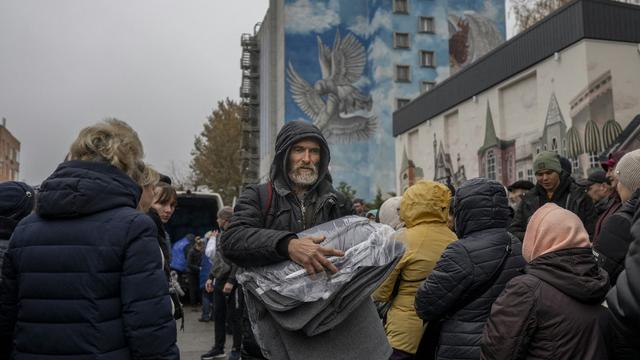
{"type": "Point", "coordinates": [303, 179]}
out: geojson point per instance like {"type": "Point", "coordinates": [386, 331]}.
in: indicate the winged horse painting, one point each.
{"type": "Point", "coordinates": [334, 104]}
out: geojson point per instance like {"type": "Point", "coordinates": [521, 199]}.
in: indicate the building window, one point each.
{"type": "Point", "coordinates": [400, 7]}
{"type": "Point", "coordinates": [401, 103]}
{"type": "Point", "coordinates": [520, 175]}
{"type": "Point", "coordinates": [593, 160]}
{"type": "Point", "coordinates": [554, 145]}
{"type": "Point", "coordinates": [427, 58]}
{"type": "Point", "coordinates": [575, 164]}
{"type": "Point", "coordinates": [403, 73]}
{"type": "Point", "coordinates": [426, 86]}
{"type": "Point", "coordinates": [530, 175]}
{"type": "Point", "coordinates": [491, 165]}
{"type": "Point", "coordinates": [510, 164]}
{"type": "Point", "coordinates": [401, 40]}
{"type": "Point", "coordinates": [426, 25]}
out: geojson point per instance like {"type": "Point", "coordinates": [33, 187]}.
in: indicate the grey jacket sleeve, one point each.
{"type": "Point", "coordinates": [451, 277]}
{"type": "Point", "coordinates": [246, 242]}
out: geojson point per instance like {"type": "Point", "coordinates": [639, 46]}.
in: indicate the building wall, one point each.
{"type": "Point", "coordinates": [9, 156]}
{"type": "Point", "coordinates": [519, 107]}
{"type": "Point", "coordinates": [366, 160]}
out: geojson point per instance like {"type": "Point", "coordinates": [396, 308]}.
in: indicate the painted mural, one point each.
{"type": "Point", "coordinates": [475, 28]}
{"type": "Point", "coordinates": [342, 59]}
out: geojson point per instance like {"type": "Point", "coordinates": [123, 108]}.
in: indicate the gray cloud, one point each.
{"type": "Point", "coordinates": [160, 65]}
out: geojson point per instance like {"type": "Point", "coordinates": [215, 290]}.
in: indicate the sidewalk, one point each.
{"type": "Point", "coordinates": [197, 337]}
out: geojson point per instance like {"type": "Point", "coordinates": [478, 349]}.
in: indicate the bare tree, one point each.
{"type": "Point", "coordinates": [529, 12]}
{"type": "Point", "coordinates": [216, 154]}
{"type": "Point", "coordinates": [182, 177]}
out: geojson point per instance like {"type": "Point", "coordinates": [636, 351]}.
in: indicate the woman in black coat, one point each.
{"type": "Point", "coordinates": [83, 275]}
{"type": "Point", "coordinates": [481, 262]}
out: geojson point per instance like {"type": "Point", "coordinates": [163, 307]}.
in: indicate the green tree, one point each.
{"type": "Point", "coordinates": [216, 151]}
{"type": "Point", "coordinates": [377, 201]}
{"type": "Point", "coordinates": [346, 189]}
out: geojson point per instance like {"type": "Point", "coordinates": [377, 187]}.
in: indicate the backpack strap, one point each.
{"type": "Point", "coordinates": [265, 195]}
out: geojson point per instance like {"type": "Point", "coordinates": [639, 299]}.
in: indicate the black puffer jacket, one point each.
{"type": "Point", "coordinates": [568, 195]}
{"type": "Point", "coordinates": [624, 299]}
{"type": "Point", "coordinates": [482, 214]}
{"type": "Point", "coordinates": [83, 276]}
{"type": "Point", "coordinates": [255, 240]}
{"type": "Point", "coordinates": [615, 237]}
{"type": "Point", "coordinates": [551, 312]}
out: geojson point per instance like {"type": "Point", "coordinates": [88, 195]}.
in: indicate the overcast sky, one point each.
{"type": "Point", "coordinates": [160, 65]}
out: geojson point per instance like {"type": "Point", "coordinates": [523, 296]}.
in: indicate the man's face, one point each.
{"type": "Point", "coordinates": [612, 177]}
{"type": "Point", "coordinates": [598, 191]}
{"type": "Point", "coordinates": [222, 223]}
{"type": "Point", "coordinates": [548, 179]}
{"type": "Point", "coordinates": [515, 196]}
{"type": "Point", "coordinates": [358, 208]}
{"type": "Point", "coordinates": [304, 157]}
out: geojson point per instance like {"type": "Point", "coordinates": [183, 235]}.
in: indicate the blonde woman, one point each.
{"type": "Point", "coordinates": [87, 264]}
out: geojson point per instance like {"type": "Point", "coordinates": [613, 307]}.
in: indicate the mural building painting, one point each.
{"type": "Point", "coordinates": [580, 102]}
{"type": "Point", "coordinates": [349, 64]}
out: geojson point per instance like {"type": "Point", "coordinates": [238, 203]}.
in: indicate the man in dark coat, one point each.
{"type": "Point", "coordinates": [624, 299]}
{"type": "Point", "coordinates": [482, 214]}
{"type": "Point", "coordinates": [83, 276]}
{"type": "Point", "coordinates": [268, 216]}
{"type": "Point", "coordinates": [613, 202]}
{"type": "Point", "coordinates": [16, 201]}
{"type": "Point", "coordinates": [553, 185]}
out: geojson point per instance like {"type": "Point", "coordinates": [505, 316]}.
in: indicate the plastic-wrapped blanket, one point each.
{"type": "Point", "coordinates": [292, 312]}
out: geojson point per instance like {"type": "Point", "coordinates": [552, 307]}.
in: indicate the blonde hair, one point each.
{"type": "Point", "coordinates": [112, 141]}
{"type": "Point", "coordinates": [148, 175]}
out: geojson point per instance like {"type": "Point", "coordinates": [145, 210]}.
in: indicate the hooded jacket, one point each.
{"type": "Point", "coordinates": [258, 236]}
{"type": "Point", "coordinates": [553, 311]}
{"type": "Point", "coordinates": [85, 273]}
{"type": "Point", "coordinates": [482, 213]}
{"type": "Point", "coordinates": [424, 210]}
{"type": "Point", "coordinates": [615, 237]}
{"type": "Point", "coordinates": [624, 298]}
{"type": "Point", "coordinates": [568, 195]}
{"type": "Point", "coordinates": [255, 240]}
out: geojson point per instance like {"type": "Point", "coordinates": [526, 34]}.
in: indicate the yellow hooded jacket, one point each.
{"type": "Point", "coordinates": [424, 210]}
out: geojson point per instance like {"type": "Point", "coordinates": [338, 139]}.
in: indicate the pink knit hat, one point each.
{"type": "Point", "coordinates": [553, 228]}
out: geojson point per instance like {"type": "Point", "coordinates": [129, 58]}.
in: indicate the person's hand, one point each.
{"type": "Point", "coordinates": [306, 252]}
{"type": "Point", "coordinates": [214, 234]}
{"type": "Point", "coordinates": [228, 287]}
{"type": "Point", "coordinates": [208, 286]}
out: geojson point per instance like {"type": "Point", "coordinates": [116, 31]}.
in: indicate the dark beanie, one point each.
{"type": "Point", "coordinates": [547, 160]}
{"type": "Point", "coordinates": [17, 200]}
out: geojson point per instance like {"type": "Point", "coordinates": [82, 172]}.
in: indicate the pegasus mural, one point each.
{"type": "Point", "coordinates": [334, 103]}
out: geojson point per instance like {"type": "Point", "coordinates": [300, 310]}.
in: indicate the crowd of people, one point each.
{"type": "Point", "coordinates": [544, 270]}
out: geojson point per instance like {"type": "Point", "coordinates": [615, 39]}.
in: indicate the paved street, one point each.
{"type": "Point", "coordinates": [197, 337]}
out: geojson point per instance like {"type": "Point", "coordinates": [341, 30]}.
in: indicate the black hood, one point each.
{"type": "Point", "coordinates": [481, 204]}
{"type": "Point", "coordinates": [291, 133]}
{"type": "Point", "coordinates": [574, 272]}
{"type": "Point", "coordinates": [79, 188]}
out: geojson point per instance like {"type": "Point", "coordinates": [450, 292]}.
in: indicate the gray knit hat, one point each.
{"type": "Point", "coordinates": [628, 170]}
{"type": "Point", "coordinates": [547, 160]}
